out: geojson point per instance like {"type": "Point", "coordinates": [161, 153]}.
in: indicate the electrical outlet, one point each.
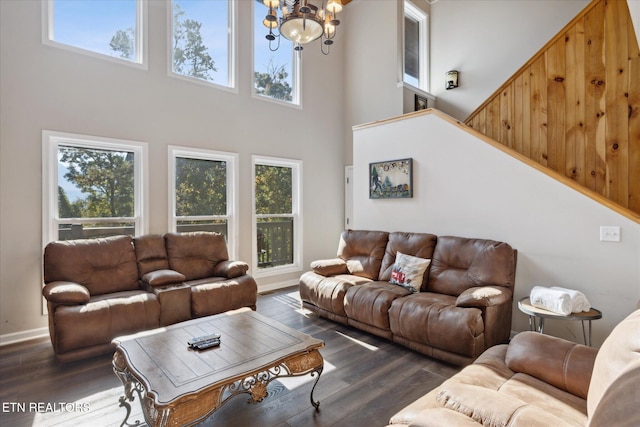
{"type": "Point", "coordinates": [609, 233]}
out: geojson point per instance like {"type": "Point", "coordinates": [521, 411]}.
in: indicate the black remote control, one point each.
{"type": "Point", "coordinates": [214, 342]}
{"type": "Point", "coordinates": [196, 340]}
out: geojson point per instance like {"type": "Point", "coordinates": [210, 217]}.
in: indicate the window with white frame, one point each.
{"type": "Point", "coordinates": [92, 187]}
{"type": "Point", "coordinates": [113, 29]}
{"type": "Point", "coordinates": [202, 40]}
{"type": "Point", "coordinates": [202, 192]}
{"type": "Point", "coordinates": [415, 47]}
{"type": "Point", "coordinates": [277, 218]}
{"type": "Point", "coordinates": [276, 73]}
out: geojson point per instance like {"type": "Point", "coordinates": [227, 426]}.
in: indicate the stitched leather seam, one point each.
{"type": "Point", "coordinates": [565, 366]}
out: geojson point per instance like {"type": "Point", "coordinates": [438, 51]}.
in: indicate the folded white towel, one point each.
{"type": "Point", "coordinates": [551, 299]}
{"type": "Point", "coordinates": [579, 301]}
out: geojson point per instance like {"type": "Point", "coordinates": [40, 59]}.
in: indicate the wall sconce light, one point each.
{"type": "Point", "coordinates": [451, 79]}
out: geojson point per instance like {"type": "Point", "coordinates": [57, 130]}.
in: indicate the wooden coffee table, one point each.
{"type": "Point", "coordinates": [180, 386]}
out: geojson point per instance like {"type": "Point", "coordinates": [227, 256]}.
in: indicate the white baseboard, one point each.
{"type": "Point", "coordinates": [17, 337]}
{"type": "Point", "coordinates": [275, 286]}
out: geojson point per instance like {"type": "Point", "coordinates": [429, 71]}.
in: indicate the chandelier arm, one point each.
{"type": "Point", "coordinates": [322, 44]}
{"type": "Point", "coordinates": [270, 41]}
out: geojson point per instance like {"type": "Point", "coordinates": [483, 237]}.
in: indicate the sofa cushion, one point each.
{"type": "Point", "coordinates": [104, 318]}
{"type": "Point", "coordinates": [370, 303]}
{"type": "Point", "coordinates": [460, 263]}
{"type": "Point", "coordinates": [363, 251]}
{"type": "Point", "coordinates": [195, 254]}
{"type": "Point", "coordinates": [433, 320]}
{"type": "Point", "coordinates": [328, 292]}
{"type": "Point", "coordinates": [218, 295]}
{"type": "Point", "coordinates": [493, 408]}
{"type": "Point", "coordinates": [151, 253]}
{"type": "Point", "coordinates": [408, 271]}
{"type": "Point", "coordinates": [420, 245]}
{"type": "Point", "coordinates": [101, 265]}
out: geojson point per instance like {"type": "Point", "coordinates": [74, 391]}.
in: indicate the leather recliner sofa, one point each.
{"type": "Point", "coordinates": [99, 289]}
{"type": "Point", "coordinates": [463, 306]}
{"type": "Point", "coordinates": [539, 381]}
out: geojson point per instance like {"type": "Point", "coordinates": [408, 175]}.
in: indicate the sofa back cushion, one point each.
{"type": "Point", "coordinates": [614, 390]}
{"type": "Point", "coordinates": [363, 250]}
{"type": "Point", "coordinates": [102, 265]}
{"type": "Point", "coordinates": [419, 245]}
{"type": "Point", "coordinates": [151, 253]}
{"type": "Point", "coordinates": [195, 254]}
{"type": "Point", "coordinates": [460, 263]}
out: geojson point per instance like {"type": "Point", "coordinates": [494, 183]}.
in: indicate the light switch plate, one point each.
{"type": "Point", "coordinates": [609, 233]}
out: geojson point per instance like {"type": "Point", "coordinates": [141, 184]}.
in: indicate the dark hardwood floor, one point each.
{"type": "Point", "coordinates": [365, 381]}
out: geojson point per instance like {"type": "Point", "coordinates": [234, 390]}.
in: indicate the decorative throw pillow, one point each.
{"type": "Point", "coordinates": [408, 271]}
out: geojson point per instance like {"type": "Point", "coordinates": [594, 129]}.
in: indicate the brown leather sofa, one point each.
{"type": "Point", "coordinates": [463, 306]}
{"type": "Point", "coordinates": [98, 289]}
{"type": "Point", "coordinates": [539, 381]}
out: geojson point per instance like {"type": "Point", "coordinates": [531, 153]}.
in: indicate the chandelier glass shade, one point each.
{"type": "Point", "coordinates": [301, 22]}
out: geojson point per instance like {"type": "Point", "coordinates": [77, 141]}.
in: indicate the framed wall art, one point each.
{"type": "Point", "coordinates": [391, 179]}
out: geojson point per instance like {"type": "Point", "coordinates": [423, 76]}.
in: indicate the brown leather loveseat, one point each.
{"type": "Point", "coordinates": [462, 306]}
{"type": "Point", "coordinates": [539, 381]}
{"type": "Point", "coordinates": [98, 289]}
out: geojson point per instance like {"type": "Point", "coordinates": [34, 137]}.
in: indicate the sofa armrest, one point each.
{"type": "Point", "coordinates": [67, 293]}
{"type": "Point", "coordinates": [230, 269]}
{"type": "Point", "coordinates": [163, 278]}
{"type": "Point", "coordinates": [484, 296]}
{"type": "Point", "coordinates": [561, 363]}
{"type": "Point", "coordinates": [329, 267]}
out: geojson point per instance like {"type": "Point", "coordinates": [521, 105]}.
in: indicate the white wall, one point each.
{"type": "Point", "coordinates": [487, 42]}
{"type": "Point", "coordinates": [371, 65]}
{"type": "Point", "coordinates": [43, 87]}
{"type": "Point", "coordinates": [465, 187]}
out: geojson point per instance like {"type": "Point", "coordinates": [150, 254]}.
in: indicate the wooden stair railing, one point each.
{"type": "Point", "coordinates": [574, 107]}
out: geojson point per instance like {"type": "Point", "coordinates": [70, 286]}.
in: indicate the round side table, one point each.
{"type": "Point", "coordinates": [534, 313]}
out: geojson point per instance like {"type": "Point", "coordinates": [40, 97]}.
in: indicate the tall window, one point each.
{"type": "Point", "coordinates": [201, 40]}
{"type": "Point", "coordinates": [92, 187]}
{"type": "Point", "coordinates": [108, 28]}
{"type": "Point", "coordinates": [202, 192]}
{"type": "Point", "coordinates": [277, 217]}
{"type": "Point", "coordinates": [415, 47]}
{"type": "Point", "coordinates": [276, 75]}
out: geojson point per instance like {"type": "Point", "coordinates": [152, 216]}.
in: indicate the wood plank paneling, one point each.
{"type": "Point", "coordinates": [579, 133]}
{"type": "Point", "coordinates": [555, 106]}
{"type": "Point", "coordinates": [570, 103]}
{"type": "Point", "coordinates": [574, 106]}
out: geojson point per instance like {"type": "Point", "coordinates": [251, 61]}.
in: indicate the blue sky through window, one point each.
{"type": "Point", "coordinates": [262, 55]}
{"type": "Point", "coordinates": [213, 14]}
{"type": "Point", "coordinates": [90, 25]}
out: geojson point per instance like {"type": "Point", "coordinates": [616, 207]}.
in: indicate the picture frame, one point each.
{"type": "Point", "coordinates": [421, 102]}
{"type": "Point", "coordinates": [392, 179]}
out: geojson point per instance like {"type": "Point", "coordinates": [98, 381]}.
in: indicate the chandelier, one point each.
{"type": "Point", "coordinates": [302, 22]}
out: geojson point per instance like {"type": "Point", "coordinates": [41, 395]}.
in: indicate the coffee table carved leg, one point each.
{"type": "Point", "coordinates": [316, 404]}
{"type": "Point", "coordinates": [130, 385]}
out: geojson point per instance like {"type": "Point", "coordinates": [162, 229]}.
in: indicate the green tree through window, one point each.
{"type": "Point", "coordinates": [201, 187]}
{"type": "Point", "coordinates": [105, 177]}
